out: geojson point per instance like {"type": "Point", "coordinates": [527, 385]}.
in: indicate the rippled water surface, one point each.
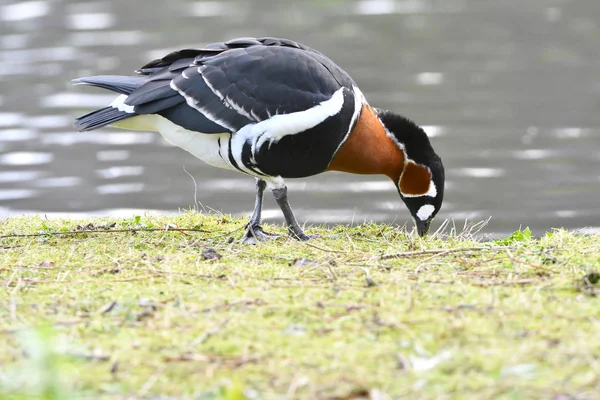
{"type": "Point", "coordinates": [509, 92]}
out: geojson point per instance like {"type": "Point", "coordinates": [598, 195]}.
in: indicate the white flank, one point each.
{"type": "Point", "coordinates": [425, 212]}
{"type": "Point", "coordinates": [359, 100]}
{"type": "Point", "coordinates": [196, 105]}
{"type": "Point", "coordinates": [119, 103]}
{"type": "Point", "coordinates": [206, 147]}
{"type": "Point", "coordinates": [277, 127]}
{"type": "Point", "coordinates": [200, 145]}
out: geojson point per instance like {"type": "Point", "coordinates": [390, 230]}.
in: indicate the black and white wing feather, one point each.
{"type": "Point", "coordinates": [251, 84]}
{"type": "Point", "coordinates": [225, 86]}
{"type": "Point", "coordinates": [265, 92]}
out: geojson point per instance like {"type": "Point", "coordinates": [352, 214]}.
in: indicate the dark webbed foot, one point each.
{"type": "Point", "coordinates": [255, 234]}
{"type": "Point", "coordinates": [298, 234]}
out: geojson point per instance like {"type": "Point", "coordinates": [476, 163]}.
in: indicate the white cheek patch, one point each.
{"type": "Point", "coordinates": [425, 212]}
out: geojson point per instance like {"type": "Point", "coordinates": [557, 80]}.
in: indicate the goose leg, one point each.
{"type": "Point", "coordinates": [255, 232]}
{"type": "Point", "coordinates": [294, 229]}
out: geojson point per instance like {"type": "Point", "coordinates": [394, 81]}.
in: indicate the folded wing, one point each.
{"type": "Point", "coordinates": [226, 86]}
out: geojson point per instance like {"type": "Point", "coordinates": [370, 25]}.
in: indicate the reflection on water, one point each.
{"type": "Point", "coordinates": [73, 100]}
{"type": "Point", "coordinates": [116, 172]}
{"type": "Point", "coordinates": [532, 154]}
{"type": "Point", "coordinates": [119, 188]}
{"type": "Point", "coordinates": [16, 176]}
{"type": "Point", "coordinates": [85, 21]}
{"type": "Point", "coordinates": [57, 182]}
{"type": "Point", "coordinates": [478, 172]}
{"type": "Point", "coordinates": [25, 158]}
{"type": "Point", "coordinates": [24, 10]}
{"type": "Point", "coordinates": [509, 94]}
{"type": "Point", "coordinates": [99, 137]}
{"type": "Point", "coordinates": [15, 194]}
{"type": "Point", "coordinates": [113, 155]}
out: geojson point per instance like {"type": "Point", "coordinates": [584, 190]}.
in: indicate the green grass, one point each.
{"type": "Point", "coordinates": [362, 311]}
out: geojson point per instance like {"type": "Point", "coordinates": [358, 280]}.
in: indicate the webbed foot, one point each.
{"type": "Point", "coordinates": [298, 234]}
{"type": "Point", "coordinates": [255, 234]}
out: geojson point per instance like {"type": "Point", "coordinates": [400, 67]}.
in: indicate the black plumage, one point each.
{"type": "Point", "coordinates": [257, 77]}
{"type": "Point", "coordinates": [119, 84]}
{"type": "Point", "coordinates": [99, 118]}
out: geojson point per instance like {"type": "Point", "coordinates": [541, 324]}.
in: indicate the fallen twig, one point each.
{"type": "Point", "coordinates": [323, 249]}
{"type": "Point", "coordinates": [38, 281]}
{"type": "Point", "coordinates": [220, 361]}
{"type": "Point", "coordinates": [254, 302]}
{"type": "Point", "coordinates": [348, 307]}
{"type": "Point", "coordinates": [506, 283]}
{"type": "Point", "coordinates": [520, 261]}
{"type": "Point", "coordinates": [204, 337]}
{"type": "Point", "coordinates": [407, 254]}
{"type": "Point", "coordinates": [95, 356]}
{"type": "Point", "coordinates": [82, 232]}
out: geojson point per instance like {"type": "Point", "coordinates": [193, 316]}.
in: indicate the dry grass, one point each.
{"type": "Point", "coordinates": [182, 310]}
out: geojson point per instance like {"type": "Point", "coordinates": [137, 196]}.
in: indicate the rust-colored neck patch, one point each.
{"type": "Point", "coordinates": [415, 180]}
{"type": "Point", "coordinates": [368, 150]}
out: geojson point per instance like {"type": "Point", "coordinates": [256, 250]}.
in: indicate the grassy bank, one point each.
{"type": "Point", "coordinates": [128, 309]}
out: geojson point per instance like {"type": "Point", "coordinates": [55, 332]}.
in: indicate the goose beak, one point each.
{"type": "Point", "coordinates": [422, 226]}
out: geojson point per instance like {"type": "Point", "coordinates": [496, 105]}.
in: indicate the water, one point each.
{"type": "Point", "coordinates": [509, 92]}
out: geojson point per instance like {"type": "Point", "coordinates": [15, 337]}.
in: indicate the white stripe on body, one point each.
{"type": "Point", "coordinates": [279, 126]}
{"type": "Point", "coordinates": [359, 100]}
